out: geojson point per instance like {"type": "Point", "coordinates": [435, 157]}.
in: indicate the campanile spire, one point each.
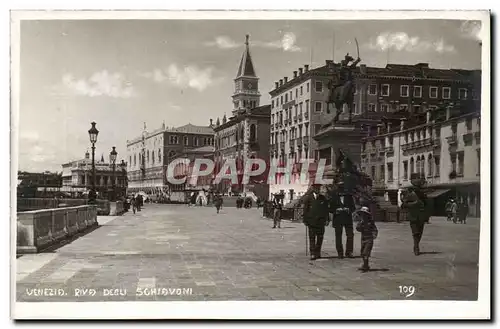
{"type": "Point", "coordinates": [246, 89]}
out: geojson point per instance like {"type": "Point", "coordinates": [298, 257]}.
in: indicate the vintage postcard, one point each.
{"type": "Point", "coordinates": [250, 165]}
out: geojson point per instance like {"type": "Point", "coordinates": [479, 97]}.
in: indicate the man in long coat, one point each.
{"type": "Point", "coordinates": [417, 216]}
{"type": "Point", "coordinates": [315, 218]}
{"type": "Point", "coordinates": [342, 207]}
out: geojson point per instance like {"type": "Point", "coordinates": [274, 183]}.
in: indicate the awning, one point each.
{"type": "Point", "coordinates": [436, 193]}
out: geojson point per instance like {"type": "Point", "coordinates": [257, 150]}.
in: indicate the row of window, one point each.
{"type": "Point", "coordinates": [418, 164]}
{"type": "Point", "coordinates": [298, 110]}
{"type": "Point", "coordinates": [404, 91]}
{"type": "Point", "coordinates": [295, 132]}
{"type": "Point", "coordinates": [246, 104]}
{"type": "Point", "coordinates": [149, 159]}
{"type": "Point", "coordinates": [175, 140]}
{"type": "Point", "coordinates": [295, 156]}
{"type": "Point", "coordinates": [283, 99]}
{"type": "Point", "coordinates": [226, 141]}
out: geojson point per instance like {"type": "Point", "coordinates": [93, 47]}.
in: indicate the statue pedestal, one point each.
{"type": "Point", "coordinates": [340, 136]}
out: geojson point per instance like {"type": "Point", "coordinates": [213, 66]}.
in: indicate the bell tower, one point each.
{"type": "Point", "coordinates": [246, 85]}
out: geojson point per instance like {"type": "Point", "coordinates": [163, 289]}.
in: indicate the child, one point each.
{"type": "Point", "coordinates": [369, 233]}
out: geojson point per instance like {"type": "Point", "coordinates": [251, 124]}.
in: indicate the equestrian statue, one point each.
{"type": "Point", "coordinates": [342, 92]}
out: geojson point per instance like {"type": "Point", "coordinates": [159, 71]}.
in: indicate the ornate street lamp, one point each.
{"type": "Point", "coordinates": [112, 158]}
{"type": "Point", "coordinates": [93, 132]}
{"type": "Point", "coordinates": [123, 165]}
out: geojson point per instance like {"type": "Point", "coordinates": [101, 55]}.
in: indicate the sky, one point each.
{"type": "Point", "coordinates": [123, 74]}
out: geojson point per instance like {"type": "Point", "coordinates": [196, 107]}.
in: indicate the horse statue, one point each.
{"type": "Point", "coordinates": [343, 92]}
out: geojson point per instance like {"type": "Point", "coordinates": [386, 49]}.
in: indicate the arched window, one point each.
{"type": "Point", "coordinates": [412, 166]}
{"type": "Point", "coordinates": [430, 165]}
{"type": "Point", "coordinates": [147, 157]}
{"type": "Point", "coordinates": [153, 157]}
{"type": "Point", "coordinates": [242, 133]}
{"type": "Point", "coordinates": [159, 155]}
{"type": "Point", "coordinates": [422, 165]}
{"type": "Point", "coordinates": [253, 132]}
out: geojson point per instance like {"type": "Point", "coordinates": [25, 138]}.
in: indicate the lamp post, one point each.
{"type": "Point", "coordinates": [123, 165]}
{"type": "Point", "coordinates": [112, 158]}
{"type": "Point", "coordinates": [93, 132]}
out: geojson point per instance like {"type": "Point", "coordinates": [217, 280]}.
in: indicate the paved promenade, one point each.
{"type": "Point", "coordinates": [175, 252]}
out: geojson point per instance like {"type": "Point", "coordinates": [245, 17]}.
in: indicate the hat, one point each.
{"type": "Point", "coordinates": [365, 210]}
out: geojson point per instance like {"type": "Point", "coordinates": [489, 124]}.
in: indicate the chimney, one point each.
{"type": "Point", "coordinates": [403, 124]}
{"type": "Point", "coordinates": [362, 68]}
{"type": "Point", "coordinates": [286, 79]}
{"type": "Point", "coordinates": [306, 67]}
{"type": "Point", "coordinates": [294, 74]}
{"type": "Point", "coordinates": [276, 84]}
{"type": "Point", "coordinates": [211, 122]}
{"type": "Point", "coordinates": [300, 71]}
{"type": "Point", "coordinates": [281, 82]}
{"type": "Point", "coordinates": [87, 155]}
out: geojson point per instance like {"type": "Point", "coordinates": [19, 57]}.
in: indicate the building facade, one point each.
{"type": "Point", "coordinates": [245, 134]}
{"type": "Point", "coordinates": [184, 171]}
{"type": "Point", "coordinates": [149, 155]}
{"type": "Point", "coordinates": [31, 185]}
{"type": "Point", "coordinates": [395, 91]}
{"type": "Point", "coordinates": [445, 148]}
{"type": "Point", "coordinates": [77, 177]}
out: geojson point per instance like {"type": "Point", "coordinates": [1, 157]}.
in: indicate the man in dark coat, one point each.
{"type": "Point", "coordinates": [218, 202]}
{"type": "Point", "coordinates": [315, 218]}
{"type": "Point", "coordinates": [417, 217]}
{"type": "Point", "coordinates": [277, 208]}
{"type": "Point", "coordinates": [343, 207]}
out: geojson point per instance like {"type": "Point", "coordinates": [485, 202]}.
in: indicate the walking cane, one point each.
{"type": "Point", "coordinates": [306, 240]}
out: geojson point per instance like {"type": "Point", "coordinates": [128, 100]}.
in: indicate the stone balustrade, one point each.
{"type": "Point", "coordinates": [29, 204]}
{"type": "Point", "coordinates": [40, 229]}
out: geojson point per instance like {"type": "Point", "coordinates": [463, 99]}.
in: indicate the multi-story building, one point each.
{"type": "Point", "coordinates": [299, 107]}
{"type": "Point", "coordinates": [30, 185]}
{"type": "Point", "coordinates": [444, 147]}
{"type": "Point", "coordinates": [150, 154]}
{"type": "Point", "coordinates": [184, 171]}
{"type": "Point", "coordinates": [245, 134]}
{"type": "Point", "coordinates": [77, 177]}
{"type": "Point", "coordinates": [298, 110]}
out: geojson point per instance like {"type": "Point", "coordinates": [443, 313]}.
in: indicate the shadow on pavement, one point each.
{"type": "Point", "coordinates": [378, 270]}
